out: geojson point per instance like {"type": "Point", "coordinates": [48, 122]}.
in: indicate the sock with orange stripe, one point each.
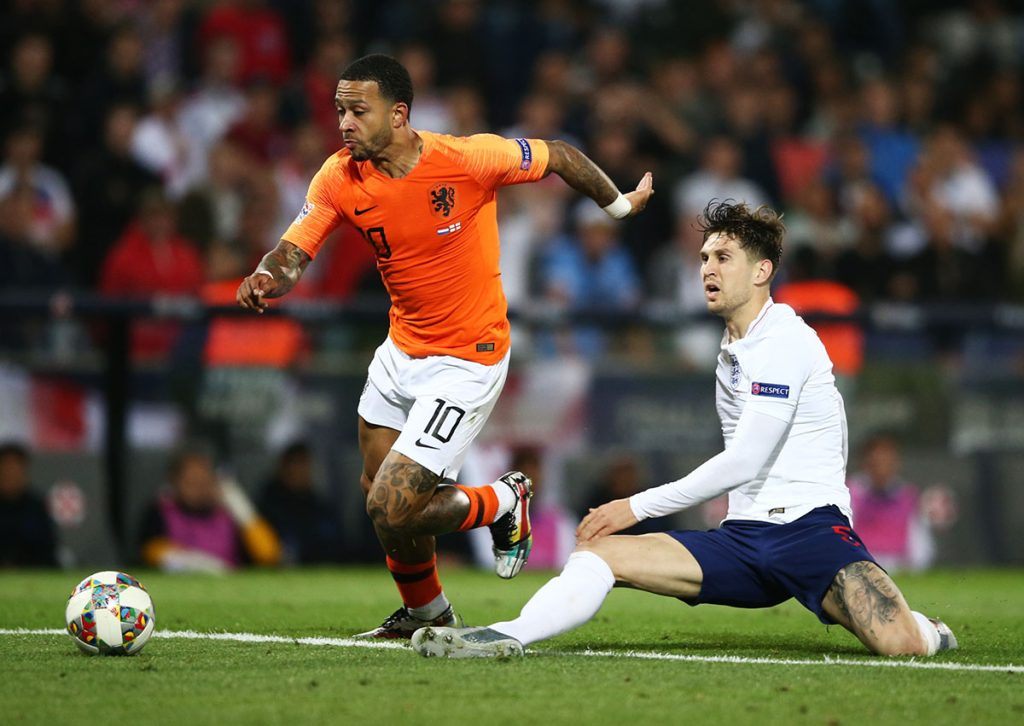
{"type": "Point", "coordinates": [420, 587]}
{"type": "Point", "coordinates": [486, 504]}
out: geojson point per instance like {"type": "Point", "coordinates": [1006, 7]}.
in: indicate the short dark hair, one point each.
{"type": "Point", "coordinates": [15, 449]}
{"type": "Point", "coordinates": [391, 76]}
{"type": "Point", "coordinates": [759, 231]}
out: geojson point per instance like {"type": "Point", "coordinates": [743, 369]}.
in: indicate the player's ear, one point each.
{"type": "Point", "coordinates": [399, 114]}
{"type": "Point", "coordinates": [765, 268]}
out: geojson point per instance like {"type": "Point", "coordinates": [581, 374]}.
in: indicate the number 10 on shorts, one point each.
{"type": "Point", "coordinates": [443, 422]}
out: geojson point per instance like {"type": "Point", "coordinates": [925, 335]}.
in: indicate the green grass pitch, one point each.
{"type": "Point", "coordinates": [197, 681]}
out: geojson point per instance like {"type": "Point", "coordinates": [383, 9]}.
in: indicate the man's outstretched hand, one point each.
{"type": "Point", "coordinates": [640, 196]}
{"type": "Point", "coordinates": [253, 291]}
{"type": "Point", "coordinates": [609, 518]}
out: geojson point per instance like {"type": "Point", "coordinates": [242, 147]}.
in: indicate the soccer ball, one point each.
{"type": "Point", "coordinates": [110, 613]}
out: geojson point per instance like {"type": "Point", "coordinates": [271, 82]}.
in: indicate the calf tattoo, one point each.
{"type": "Point", "coordinates": [404, 498]}
{"type": "Point", "coordinates": [866, 596]}
{"type": "Point", "coordinates": [397, 490]}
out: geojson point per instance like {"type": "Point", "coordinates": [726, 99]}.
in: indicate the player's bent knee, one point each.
{"type": "Point", "coordinates": [387, 518]}
{"type": "Point", "coordinates": [597, 547]}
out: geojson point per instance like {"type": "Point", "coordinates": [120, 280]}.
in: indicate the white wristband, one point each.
{"type": "Point", "coordinates": [268, 273]}
{"type": "Point", "coordinates": [620, 208]}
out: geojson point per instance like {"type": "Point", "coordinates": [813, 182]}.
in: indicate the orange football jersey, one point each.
{"type": "Point", "coordinates": [435, 234]}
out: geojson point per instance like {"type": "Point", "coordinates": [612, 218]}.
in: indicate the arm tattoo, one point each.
{"type": "Point", "coordinates": [866, 596]}
{"type": "Point", "coordinates": [581, 173]}
{"type": "Point", "coordinates": [286, 263]}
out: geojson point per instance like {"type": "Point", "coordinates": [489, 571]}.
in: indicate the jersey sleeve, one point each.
{"type": "Point", "coordinates": [779, 368]}
{"type": "Point", "coordinates": [495, 161]}
{"type": "Point", "coordinates": [319, 215]}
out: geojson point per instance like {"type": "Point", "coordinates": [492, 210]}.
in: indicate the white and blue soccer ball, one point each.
{"type": "Point", "coordinates": [110, 613]}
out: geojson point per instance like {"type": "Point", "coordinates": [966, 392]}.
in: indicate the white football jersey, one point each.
{"type": "Point", "coordinates": [780, 368]}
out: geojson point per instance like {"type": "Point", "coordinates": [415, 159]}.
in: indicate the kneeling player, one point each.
{"type": "Point", "coordinates": [788, 531]}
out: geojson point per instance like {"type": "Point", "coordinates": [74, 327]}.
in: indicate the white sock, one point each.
{"type": "Point", "coordinates": [431, 610]}
{"type": "Point", "coordinates": [507, 498]}
{"type": "Point", "coordinates": [565, 602]}
{"type": "Point", "coordinates": [928, 632]}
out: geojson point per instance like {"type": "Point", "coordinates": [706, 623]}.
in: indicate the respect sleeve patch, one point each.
{"type": "Point", "coordinates": [772, 390]}
{"type": "Point", "coordinates": [527, 153]}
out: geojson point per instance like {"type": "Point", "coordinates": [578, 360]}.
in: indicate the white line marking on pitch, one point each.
{"type": "Point", "coordinates": [734, 659]}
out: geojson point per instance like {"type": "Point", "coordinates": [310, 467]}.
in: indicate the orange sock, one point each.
{"type": "Point", "coordinates": [418, 584]}
{"type": "Point", "coordinates": [483, 507]}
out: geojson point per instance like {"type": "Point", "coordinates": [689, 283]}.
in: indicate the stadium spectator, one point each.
{"type": "Point", "coordinates": [431, 107]}
{"type": "Point", "coordinates": [617, 149]}
{"type": "Point", "coordinates": [896, 521]}
{"type": "Point", "coordinates": [119, 79]}
{"type": "Point", "coordinates": [529, 218]}
{"type": "Point", "coordinates": [1012, 225]}
{"type": "Point", "coordinates": [259, 31]}
{"type": "Point", "coordinates": [946, 177]}
{"type": "Point", "coordinates": [621, 478]}
{"type": "Point", "coordinates": [942, 270]}
{"type": "Point", "coordinates": [213, 106]}
{"type": "Point", "coordinates": [52, 228]}
{"type": "Point", "coordinates": [866, 267]}
{"type": "Point", "coordinates": [467, 109]}
{"type": "Point", "coordinates": [458, 35]}
{"type": "Point", "coordinates": [313, 93]}
{"type": "Point", "coordinates": [22, 264]}
{"type": "Point", "coordinates": [211, 212]}
{"type": "Point", "coordinates": [674, 280]}
{"type": "Point", "coordinates": [307, 148]}
{"type": "Point", "coordinates": [717, 178]}
{"type": "Point", "coordinates": [165, 38]}
{"type": "Point", "coordinates": [28, 532]}
{"type": "Point", "coordinates": [745, 125]}
{"type": "Point", "coordinates": [31, 91]}
{"type": "Point", "coordinates": [306, 522]}
{"type": "Point", "coordinates": [204, 522]}
{"type": "Point", "coordinates": [150, 258]}
{"type": "Point", "coordinates": [589, 270]}
{"type": "Point", "coordinates": [258, 129]}
{"type": "Point", "coordinates": [813, 221]}
{"type": "Point", "coordinates": [159, 143]}
{"type": "Point", "coordinates": [108, 184]}
{"type": "Point", "coordinates": [892, 150]}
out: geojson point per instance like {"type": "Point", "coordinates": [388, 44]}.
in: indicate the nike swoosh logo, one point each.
{"type": "Point", "coordinates": [364, 211]}
{"type": "Point", "coordinates": [426, 446]}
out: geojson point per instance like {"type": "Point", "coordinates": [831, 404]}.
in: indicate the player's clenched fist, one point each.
{"type": "Point", "coordinates": [254, 289]}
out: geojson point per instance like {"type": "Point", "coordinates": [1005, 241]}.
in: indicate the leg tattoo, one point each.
{"type": "Point", "coordinates": [404, 498]}
{"type": "Point", "coordinates": [866, 596]}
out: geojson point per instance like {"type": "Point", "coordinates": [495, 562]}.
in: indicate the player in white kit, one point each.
{"type": "Point", "coordinates": [788, 531]}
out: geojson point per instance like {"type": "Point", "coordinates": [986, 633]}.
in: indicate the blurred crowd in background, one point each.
{"type": "Point", "coordinates": [157, 147]}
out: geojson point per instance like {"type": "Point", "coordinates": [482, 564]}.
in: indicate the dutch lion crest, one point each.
{"type": "Point", "coordinates": [442, 199]}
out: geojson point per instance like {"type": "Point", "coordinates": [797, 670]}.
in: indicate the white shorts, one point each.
{"type": "Point", "coordinates": [439, 403]}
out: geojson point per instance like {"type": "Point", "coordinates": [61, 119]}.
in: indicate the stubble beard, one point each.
{"type": "Point", "coordinates": [369, 150]}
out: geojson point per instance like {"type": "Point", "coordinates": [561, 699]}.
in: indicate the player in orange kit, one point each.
{"type": "Point", "coordinates": [426, 203]}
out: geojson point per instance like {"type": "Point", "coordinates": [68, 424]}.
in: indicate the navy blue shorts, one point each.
{"type": "Point", "coordinates": [750, 564]}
